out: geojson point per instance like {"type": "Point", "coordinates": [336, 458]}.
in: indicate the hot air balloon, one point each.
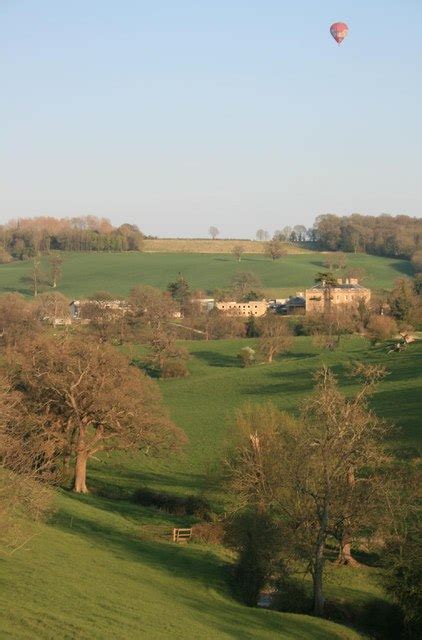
{"type": "Point", "coordinates": [339, 31]}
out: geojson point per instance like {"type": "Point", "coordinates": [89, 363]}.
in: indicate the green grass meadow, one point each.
{"type": "Point", "coordinates": [105, 568]}
{"type": "Point", "coordinates": [85, 273]}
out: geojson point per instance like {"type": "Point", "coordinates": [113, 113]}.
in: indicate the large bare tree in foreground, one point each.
{"type": "Point", "coordinates": [87, 398]}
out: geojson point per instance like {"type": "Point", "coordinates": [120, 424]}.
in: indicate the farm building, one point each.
{"type": "Point", "coordinates": [253, 307]}
{"type": "Point", "coordinates": [347, 294]}
{"type": "Point", "coordinates": [293, 306]}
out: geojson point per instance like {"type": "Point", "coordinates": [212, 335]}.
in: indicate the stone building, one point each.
{"type": "Point", "coordinates": [347, 293]}
{"type": "Point", "coordinates": [254, 308]}
{"type": "Point", "coordinates": [84, 309]}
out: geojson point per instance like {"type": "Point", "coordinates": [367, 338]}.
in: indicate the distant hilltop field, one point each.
{"type": "Point", "coordinates": [83, 273]}
{"type": "Point", "coordinates": [187, 245]}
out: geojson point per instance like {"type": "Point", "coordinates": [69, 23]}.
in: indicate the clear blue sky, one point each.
{"type": "Point", "coordinates": [178, 114]}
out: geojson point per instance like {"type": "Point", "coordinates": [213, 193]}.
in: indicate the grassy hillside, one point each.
{"type": "Point", "coordinates": [204, 404]}
{"type": "Point", "coordinates": [100, 573]}
{"type": "Point", "coordinates": [84, 273]}
{"type": "Point", "coordinates": [105, 569]}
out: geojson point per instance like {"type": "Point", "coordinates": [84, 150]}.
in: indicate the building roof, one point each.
{"type": "Point", "coordinates": [295, 301]}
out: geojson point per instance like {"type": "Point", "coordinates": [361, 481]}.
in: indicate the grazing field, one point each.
{"type": "Point", "coordinates": [85, 273]}
{"type": "Point", "coordinates": [105, 566]}
{"type": "Point", "coordinates": [185, 245]}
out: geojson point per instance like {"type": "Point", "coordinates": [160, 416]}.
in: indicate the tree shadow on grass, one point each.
{"type": "Point", "coordinates": [16, 289]}
{"type": "Point", "coordinates": [293, 355]}
{"type": "Point", "coordinates": [214, 359]}
{"type": "Point", "coordinates": [288, 382]}
{"type": "Point", "coordinates": [176, 482]}
{"type": "Point", "coordinates": [402, 266]}
{"type": "Point", "coordinates": [317, 263]}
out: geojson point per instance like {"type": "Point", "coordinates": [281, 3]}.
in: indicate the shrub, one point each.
{"type": "Point", "coordinates": [381, 328]}
{"type": "Point", "coordinates": [209, 532]}
{"type": "Point", "coordinates": [256, 539]}
{"type": "Point", "coordinates": [174, 369]}
{"type": "Point", "coordinates": [291, 596]}
{"type": "Point", "coordinates": [246, 356]}
{"type": "Point", "coordinates": [382, 619]}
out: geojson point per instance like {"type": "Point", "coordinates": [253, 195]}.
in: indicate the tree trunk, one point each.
{"type": "Point", "coordinates": [318, 569]}
{"type": "Point", "coordinates": [79, 485]}
{"type": "Point", "coordinates": [270, 356]}
{"type": "Point", "coordinates": [345, 552]}
{"type": "Point", "coordinates": [319, 599]}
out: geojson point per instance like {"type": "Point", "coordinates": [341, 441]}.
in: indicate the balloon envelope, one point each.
{"type": "Point", "coordinates": [339, 31]}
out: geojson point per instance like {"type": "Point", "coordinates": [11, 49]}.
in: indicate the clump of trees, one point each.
{"type": "Point", "coordinates": [317, 478]}
{"type": "Point", "coordinates": [405, 303]}
{"type": "Point", "coordinates": [275, 249]}
{"type": "Point", "coordinates": [262, 235]}
{"type": "Point", "coordinates": [385, 235]}
{"type": "Point", "coordinates": [27, 237]}
{"type": "Point", "coordinates": [381, 328]}
{"type": "Point", "coordinates": [166, 359]}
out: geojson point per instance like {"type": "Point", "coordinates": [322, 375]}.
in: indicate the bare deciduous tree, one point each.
{"type": "Point", "coordinates": [17, 319]}
{"type": "Point", "coordinates": [238, 251]}
{"type": "Point", "coordinates": [245, 284]}
{"type": "Point", "coordinates": [275, 336]}
{"type": "Point", "coordinates": [275, 249]}
{"type": "Point", "coordinates": [262, 235]}
{"type": "Point", "coordinates": [36, 275]}
{"type": "Point", "coordinates": [55, 262]}
{"type": "Point", "coordinates": [53, 307]}
{"type": "Point", "coordinates": [88, 399]}
{"type": "Point", "coordinates": [214, 232]}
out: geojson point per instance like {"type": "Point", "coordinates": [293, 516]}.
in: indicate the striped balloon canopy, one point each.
{"type": "Point", "coordinates": [339, 31]}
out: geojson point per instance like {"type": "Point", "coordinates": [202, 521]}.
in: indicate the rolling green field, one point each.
{"type": "Point", "coordinates": [85, 273]}
{"type": "Point", "coordinates": [103, 568]}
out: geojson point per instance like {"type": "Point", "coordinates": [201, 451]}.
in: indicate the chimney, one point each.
{"type": "Point", "coordinates": [347, 281]}
{"type": "Point", "coordinates": [339, 280]}
{"type": "Point", "coordinates": [354, 281]}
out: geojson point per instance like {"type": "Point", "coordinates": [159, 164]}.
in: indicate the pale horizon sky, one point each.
{"type": "Point", "coordinates": [178, 115]}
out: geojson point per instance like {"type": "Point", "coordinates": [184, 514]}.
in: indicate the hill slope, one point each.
{"type": "Point", "coordinates": [104, 568]}
{"type": "Point", "coordinates": [84, 273]}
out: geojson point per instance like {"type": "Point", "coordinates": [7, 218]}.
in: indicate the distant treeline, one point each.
{"type": "Point", "coordinates": [26, 237]}
{"type": "Point", "coordinates": [385, 235]}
